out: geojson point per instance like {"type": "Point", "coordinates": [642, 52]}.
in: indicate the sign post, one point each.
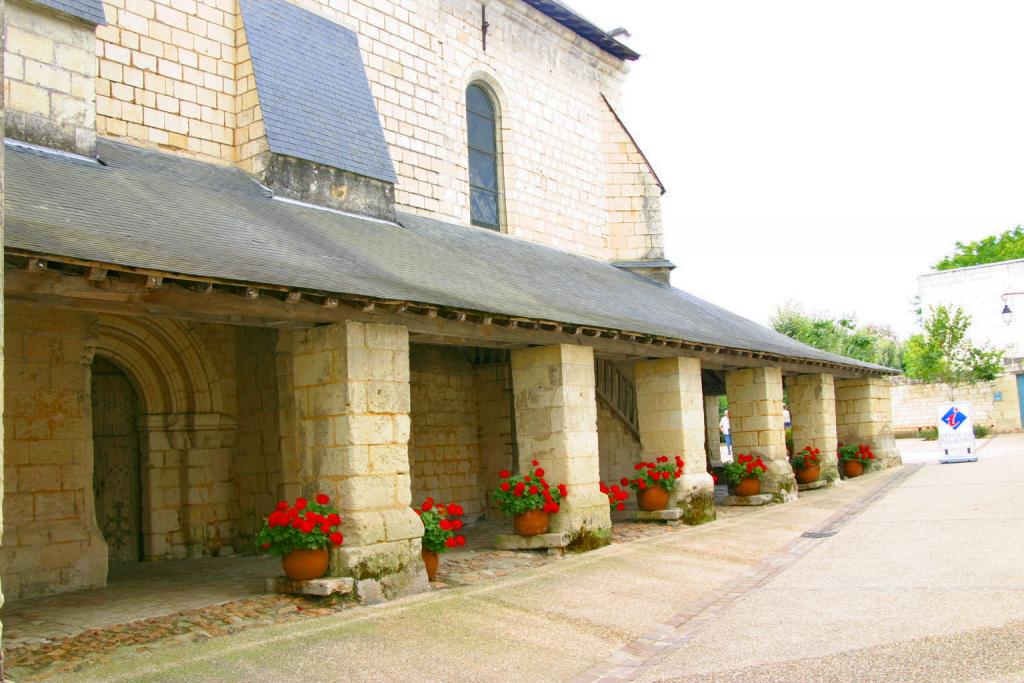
{"type": "Point", "coordinates": [956, 432]}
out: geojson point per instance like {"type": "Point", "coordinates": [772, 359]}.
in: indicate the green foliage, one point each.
{"type": "Point", "coordinates": [859, 453]}
{"type": "Point", "coordinates": [305, 526]}
{"type": "Point", "coordinates": [944, 353]}
{"type": "Point", "coordinates": [930, 434]}
{"type": "Point", "coordinates": [807, 457]}
{"type": "Point", "coordinates": [521, 493]}
{"type": "Point", "coordinates": [993, 249]}
{"type": "Point", "coordinates": [441, 526]}
{"type": "Point", "coordinates": [870, 344]}
{"type": "Point", "coordinates": [744, 467]}
{"type": "Point", "coordinates": [980, 431]}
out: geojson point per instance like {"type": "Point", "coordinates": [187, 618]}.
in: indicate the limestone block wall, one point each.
{"type": "Point", "coordinates": [756, 422]}
{"type": "Point", "coordinates": [712, 441]}
{"type": "Point", "coordinates": [257, 468]}
{"type": "Point", "coordinates": [864, 415]}
{"type": "Point", "coordinates": [812, 406]}
{"type": "Point", "coordinates": [352, 402]}
{"type": "Point", "coordinates": [49, 78]}
{"type": "Point", "coordinates": [497, 428]}
{"type": "Point", "coordinates": [556, 424]}
{"type": "Point", "coordinates": [914, 404]}
{"type": "Point", "coordinates": [51, 541]}
{"type": "Point", "coordinates": [618, 446]}
{"type": "Point", "coordinates": [444, 443]}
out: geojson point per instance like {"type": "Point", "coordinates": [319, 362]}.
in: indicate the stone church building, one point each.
{"type": "Point", "coordinates": [377, 248]}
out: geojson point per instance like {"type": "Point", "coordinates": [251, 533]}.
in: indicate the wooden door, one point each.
{"type": "Point", "coordinates": [117, 477]}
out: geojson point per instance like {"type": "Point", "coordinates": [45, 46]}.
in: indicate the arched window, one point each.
{"type": "Point", "coordinates": [481, 122]}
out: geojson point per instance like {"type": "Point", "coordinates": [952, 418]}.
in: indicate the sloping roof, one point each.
{"type": "Point", "coordinates": [582, 27]}
{"type": "Point", "coordinates": [313, 90]}
{"type": "Point", "coordinates": [152, 210]}
{"type": "Point", "coordinates": [89, 11]}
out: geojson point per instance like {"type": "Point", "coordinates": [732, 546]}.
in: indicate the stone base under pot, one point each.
{"type": "Point", "coordinates": [666, 516]}
{"type": "Point", "coordinates": [759, 499]}
{"type": "Point", "coordinates": [322, 587]}
{"type": "Point", "coordinates": [553, 543]}
{"type": "Point", "coordinates": [819, 484]}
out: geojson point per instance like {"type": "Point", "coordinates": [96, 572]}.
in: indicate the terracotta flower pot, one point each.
{"type": "Point", "coordinates": [748, 486]}
{"type": "Point", "coordinates": [430, 560]}
{"type": "Point", "coordinates": [853, 468]}
{"type": "Point", "coordinates": [652, 498]}
{"type": "Point", "coordinates": [808, 475]}
{"type": "Point", "coordinates": [531, 523]}
{"type": "Point", "coordinates": [303, 565]}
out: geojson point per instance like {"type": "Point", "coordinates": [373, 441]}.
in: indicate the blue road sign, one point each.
{"type": "Point", "coordinates": [954, 418]}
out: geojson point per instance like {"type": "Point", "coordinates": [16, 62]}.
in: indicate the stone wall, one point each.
{"type": "Point", "coordinates": [49, 78]}
{"type": "Point", "coordinates": [497, 428]}
{"type": "Point", "coordinates": [444, 443]}
{"type": "Point", "coordinates": [176, 75]}
{"type": "Point", "coordinates": [51, 541]}
{"type": "Point", "coordinates": [864, 415]}
{"type": "Point", "coordinates": [618, 446]}
{"type": "Point", "coordinates": [914, 404]}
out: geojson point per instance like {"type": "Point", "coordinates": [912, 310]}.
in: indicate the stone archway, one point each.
{"type": "Point", "coordinates": [184, 437]}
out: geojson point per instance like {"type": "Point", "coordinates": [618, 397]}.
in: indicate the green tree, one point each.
{"type": "Point", "coordinates": [944, 353]}
{"type": "Point", "coordinates": [871, 344]}
{"type": "Point", "coordinates": [993, 249]}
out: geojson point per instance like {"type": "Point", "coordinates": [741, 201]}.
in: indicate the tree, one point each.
{"type": "Point", "coordinates": [944, 353]}
{"type": "Point", "coordinates": [993, 249]}
{"type": "Point", "coordinates": [870, 344]}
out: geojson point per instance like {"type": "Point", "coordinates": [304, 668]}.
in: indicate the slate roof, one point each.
{"type": "Point", "coordinates": [90, 11]}
{"type": "Point", "coordinates": [582, 27]}
{"type": "Point", "coordinates": [313, 90]}
{"type": "Point", "coordinates": [148, 209]}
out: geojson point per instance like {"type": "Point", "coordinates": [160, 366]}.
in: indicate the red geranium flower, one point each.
{"type": "Point", "coordinates": [534, 490]}
{"type": "Point", "coordinates": [539, 472]}
{"type": "Point", "coordinates": [535, 463]}
{"type": "Point", "coordinates": [282, 505]}
{"type": "Point", "coordinates": [265, 546]}
{"type": "Point", "coordinates": [460, 540]}
{"type": "Point", "coordinates": [445, 524]}
{"type": "Point", "coordinates": [301, 503]}
{"type": "Point", "coordinates": [428, 504]}
{"type": "Point", "coordinates": [624, 481]}
{"type": "Point", "coordinates": [620, 506]}
{"type": "Point", "coordinates": [454, 510]}
{"type": "Point", "coordinates": [563, 490]}
{"type": "Point", "coordinates": [449, 542]}
{"type": "Point", "coordinates": [505, 486]}
{"type": "Point", "coordinates": [456, 524]}
{"type": "Point", "coordinates": [504, 474]}
{"type": "Point", "coordinates": [336, 538]}
{"type": "Point", "coordinates": [333, 519]}
{"type": "Point", "coordinates": [322, 498]}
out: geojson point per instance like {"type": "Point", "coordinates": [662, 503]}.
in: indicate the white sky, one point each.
{"type": "Point", "coordinates": [824, 152]}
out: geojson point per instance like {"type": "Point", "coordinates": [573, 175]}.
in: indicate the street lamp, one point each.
{"type": "Point", "coordinates": [1007, 313]}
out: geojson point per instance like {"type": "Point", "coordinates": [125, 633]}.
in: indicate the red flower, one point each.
{"type": "Point", "coordinates": [449, 542]}
{"type": "Point", "coordinates": [324, 528]}
{"type": "Point", "coordinates": [419, 513]}
{"type": "Point", "coordinates": [527, 479]}
{"type": "Point", "coordinates": [265, 546]}
{"type": "Point", "coordinates": [445, 524]}
{"type": "Point", "coordinates": [621, 495]}
{"type": "Point", "coordinates": [504, 474]}
{"type": "Point", "coordinates": [428, 504]}
{"type": "Point", "coordinates": [460, 540]}
{"type": "Point", "coordinates": [604, 488]}
{"type": "Point", "coordinates": [620, 506]}
{"type": "Point", "coordinates": [337, 538]}
{"type": "Point", "coordinates": [624, 481]}
{"type": "Point", "coordinates": [662, 458]}
{"type": "Point", "coordinates": [333, 519]}
{"type": "Point", "coordinates": [641, 484]}
{"type": "Point", "coordinates": [505, 486]}
{"type": "Point", "coordinates": [456, 524]}
{"type": "Point", "coordinates": [282, 505]}
{"type": "Point", "coordinates": [301, 503]}
{"type": "Point", "coordinates": [638, 466]}
{"type": "Point", "coordinates": [714, 478]}
{"type": "Point", "coordinates": [535, 463]}
{"type": "Point", "coordinates": [534, 490]}
{"type": "Point", "coordinates": [307, 526]}
{"type": "Point", "coordinates": [539, 472]}
{"type": "Point", "coordinates": [454, 510]}
{"type": "Point", "coordinates": [518, 490]}
{"type": "Point", "coordinates": [551, 507]}
{"type": "Point", "coordinates": [322, 498]}
{"type": "Point", "coordinates": [563, 490]}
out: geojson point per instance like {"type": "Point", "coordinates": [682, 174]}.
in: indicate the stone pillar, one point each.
{"type": "Point", "coordinates": [755, 414]}
{"type": "Point", "coordinates": [864, 415]}
{"type": "Point", "coordinates": [713, 444]}
{"type": "Point", "coordinates": [351, 403]}
{"type": "Point", "coordinates": [556, 424]}
{"type": "Point", "coordinates": [670, 407]}
{"type": "Point", "coordinates": [812, 405]}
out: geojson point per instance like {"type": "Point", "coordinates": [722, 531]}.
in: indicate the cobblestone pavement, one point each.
{"type": "Point", "coordinates": [188, 601]}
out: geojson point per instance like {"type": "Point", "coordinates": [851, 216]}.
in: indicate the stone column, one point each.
{"type": "Point", "coordinates": [713, 444]}
{"type": "Point", "coordinates": [812, 405]}
{"type": "Point", "coordinates": [670, 406]}
{"type": "Point", "coordinates": [556, 424]}
{"type": "Point", "coordinates": [864, 415]}
{"type": "Point", "coordinates": [351, 403]}
{"type": "Point", "coordinates": [755, 414]}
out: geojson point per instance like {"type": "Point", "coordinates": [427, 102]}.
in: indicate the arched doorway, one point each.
{"type": "Point", "coordinates": [117, 475]}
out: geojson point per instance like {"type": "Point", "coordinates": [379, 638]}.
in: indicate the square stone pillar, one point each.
{"type": "Point", "coordinates": [713, 443]}
{"type": "Point", "coordinates": [670, 405]}
{"type": "Point", "coordinates": [755, 416]}
{"type": "Point", "coordinates": [350, 383]}
{"type": "Point", "coordinates": [556, 424]}
{"type": "Point", "coordinates": [812, 405]}
{"type": "Point", "coordinates": [864, 415]}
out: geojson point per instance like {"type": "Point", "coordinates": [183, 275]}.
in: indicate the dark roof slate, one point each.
{"type": "Point", "coordinates": [582, 27]}
{"type": "Point", "coordinates": [89, 11]}
{"type": "Point", "coordinates": [153, 210]}
{"type": "Point", "coordinates": [313, 90]}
